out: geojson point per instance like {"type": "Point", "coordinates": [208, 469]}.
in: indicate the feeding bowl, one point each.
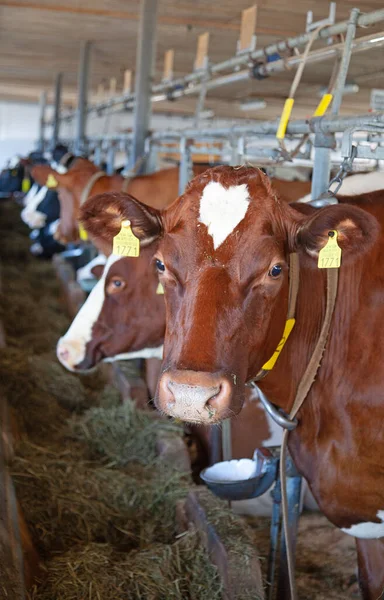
{"type": "Point", "coordinates": [242, 479]}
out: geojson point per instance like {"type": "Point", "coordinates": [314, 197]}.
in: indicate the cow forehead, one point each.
{"type": "Point", "coordinates": [222, 209]}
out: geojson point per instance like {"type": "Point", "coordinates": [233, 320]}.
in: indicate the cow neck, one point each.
{"type": "Point", "coordinates": [302, 391]}
{"type": "Point", "coordinates": [89, 185]}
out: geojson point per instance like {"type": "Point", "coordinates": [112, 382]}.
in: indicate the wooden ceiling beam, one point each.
{"type": "Point", "coordinates": [118, 14]}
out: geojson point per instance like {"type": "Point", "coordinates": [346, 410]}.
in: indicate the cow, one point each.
{"type": "Point", "coordinates": [223, 259]}
{"type": "Point", "coordinates": [124, 318]}
{"type": "Point", "coordinates": [85, 180]}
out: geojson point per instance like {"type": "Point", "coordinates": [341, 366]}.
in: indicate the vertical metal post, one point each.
{"type": "Point", "coordinates": [42, 106]}
{"type": "Point", "coordinates": [226, 439]}
{"type": "Point", "coordinates": [324, 143]}
{"type": "Point", "coordinates": [81, 116]}
{"type": "Point", "coordinates": [111, 159]}
{"type": "Point", "coordinates": [98, 155]}
{"type": "Point", "coordinates": [294, 482]}
{"type": "Point", "coordinates": [145, 58]}
{"type": "Point", "coordinates": [151, 152]}
{"type": "Point", "coordinates": [56, 114]}
{"type": "Point", "coordinates": [185, 168]}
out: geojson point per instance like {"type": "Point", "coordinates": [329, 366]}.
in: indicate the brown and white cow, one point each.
{"type": "Point", "coordinates": [223, 261]}
{"type": "Point", "coordinates": [124, 318]}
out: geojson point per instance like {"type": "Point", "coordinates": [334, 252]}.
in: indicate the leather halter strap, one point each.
{"type": "Point", "coordinates": [88, 187]}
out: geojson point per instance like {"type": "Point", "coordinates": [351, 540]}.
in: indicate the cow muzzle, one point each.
{"type": "Point", "coordinates": [71, 354]}
{"type": "Point", "coordinates": [194, 396]}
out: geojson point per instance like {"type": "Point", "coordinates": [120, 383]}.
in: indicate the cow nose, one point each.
{"type": "Point", "coordinates": [70, 353]}
{"type": "Point", "coordinates": [194, 396]}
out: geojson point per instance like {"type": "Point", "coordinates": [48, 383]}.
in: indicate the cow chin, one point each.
{"type": "Point", "coordinates": [198, 396]}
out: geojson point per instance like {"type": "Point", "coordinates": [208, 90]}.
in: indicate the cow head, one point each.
{"type": "Point", "coordinates": [69, 186]}
{"type": "Point", "coordinates": [123, 313]}
{"type": "Point", "coordinates": [223, 261]}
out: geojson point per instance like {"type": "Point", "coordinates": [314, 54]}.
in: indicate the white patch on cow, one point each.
{"type": "Point", "coordinates": [361, 183]}
{"type": "Point", "coordinates": [31, 194]}
{"type": "Point", "coordinates": [52, 228]}
{"type": "Point", "coordinates": [222, 209]}
{"type": "Point", "coordinates": [86, 271]}
{"type": "Point", "coordinates": [32, 217]}
{"type": "Point", "coordinates": [59, 168]}
{"type": "Point", "coordinates": [144, 353]}
{"type": "Point", "coordinates": [71, 348]}
{"type": "Point", "coordinates": [367, 530]}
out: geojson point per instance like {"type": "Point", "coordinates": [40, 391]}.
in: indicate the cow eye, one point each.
{"type": "Point", "coordinates": [115, 285]}
{"type": "Point", "coordinates": [160, 266]}
{"type": "Point", "coordinates": [275, 271]}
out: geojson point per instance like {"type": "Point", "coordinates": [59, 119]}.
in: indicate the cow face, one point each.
{"type": "Point", "coordinates": [223, 262]}
{"type": "Point", "coordinates": [123, 314]}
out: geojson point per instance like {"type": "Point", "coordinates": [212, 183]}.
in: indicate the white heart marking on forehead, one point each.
{"type": "Point", "coordinates": [222, 209]}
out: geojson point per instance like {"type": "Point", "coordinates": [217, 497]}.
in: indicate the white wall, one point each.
{"type": "Point", "coordinates": [19, 125]}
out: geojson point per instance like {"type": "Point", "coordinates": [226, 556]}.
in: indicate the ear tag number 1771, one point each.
{"type": "Point", "coordinates": [125, 243]}
{"type": "Point", "coordinates": [330, 255]}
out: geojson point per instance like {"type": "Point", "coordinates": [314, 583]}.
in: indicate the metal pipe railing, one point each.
{"type": "Point", "coordinates": [192, 83]}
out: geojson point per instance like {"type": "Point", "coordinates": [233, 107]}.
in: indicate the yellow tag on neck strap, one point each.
{"type": "Point", "coordinates": [268, 366]}
{"type": "Point", "coordinates": [83, 235]}
{"type": "Point", "coordinates": [51, 182]}
{"type": "Point", "coordinates": [125, 243]}
{"type": "Point", "coordinates": [330, 255]}
{"type": "Point", "coordinates": [160, 289]}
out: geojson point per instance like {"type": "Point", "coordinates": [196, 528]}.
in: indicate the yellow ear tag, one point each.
{"type": "Point", "coordinates": [330, 255]}
{"type": "Point", "coordinates": [83, 235]}
{"type": "Point", "coordinates": [125, 243]}
{"type": "Point", "coordinates": [51, 182]}
{"type": "Point", "coordinates": [160, 289]}
{"type": "Point", "coordinates": [25, 185]}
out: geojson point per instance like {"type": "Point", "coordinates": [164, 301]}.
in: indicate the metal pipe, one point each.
{"type": "Point", "coordinates": [191, 83]}
{"type": "Point", "coordinates": [185, 165]}
{"type": "Point", "coordinates": [323, 143]}
{"type": "Point", "coordinates": [56, 114]}
{"type": "Point", "coordinates": [144, 71]}
{"type": "Point", "coordinates": [111, 159]}
{"type": "Point", "coordinates": [42, 107]}
{"type": "Point", "coordinates": [81, 114]}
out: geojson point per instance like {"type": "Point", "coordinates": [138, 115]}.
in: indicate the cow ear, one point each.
{"type": "Point", "coordinates": [102, 216]}
{"type": "Point", "coordinates": [357, 231]}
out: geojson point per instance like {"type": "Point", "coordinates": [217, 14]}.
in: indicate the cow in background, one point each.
{"type": "Point", "coordinates": [156, 189]}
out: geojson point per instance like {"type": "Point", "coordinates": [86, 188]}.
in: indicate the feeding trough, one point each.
{"type": "Point", "coordinates": [245, 478]}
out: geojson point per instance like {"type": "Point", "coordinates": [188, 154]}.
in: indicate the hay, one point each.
{"type": "Point", "coordinates": [178, 572]}
{"type": "Point", "coordinates": [67, 499]}
{"type": "Point", "coordinates": [100, 507]}
{"type": "Point", "coordinates": [123, 434]}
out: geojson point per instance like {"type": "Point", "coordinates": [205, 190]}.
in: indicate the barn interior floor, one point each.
{"type": "Point", "coordinates": [71, 480]}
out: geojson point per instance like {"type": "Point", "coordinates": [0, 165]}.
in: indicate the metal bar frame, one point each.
{"type": "Point", "coordinates": [42, 107]}
{"type": "Point", "coordinates": [324, 143]}
{"type": "Point", "coordinates": [57, 108]}
{"type": "Point", "coordinates": [191, 83]}
{"type": "Point", "coordinates": [145, 57]}
{"type": "Point", "coordinates": [82, 108]}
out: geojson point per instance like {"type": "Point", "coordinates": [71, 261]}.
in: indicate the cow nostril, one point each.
{"type": "Point", "coordinates": [64, 354]}
{"type": "Point", "coordinates": [220, 400]}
